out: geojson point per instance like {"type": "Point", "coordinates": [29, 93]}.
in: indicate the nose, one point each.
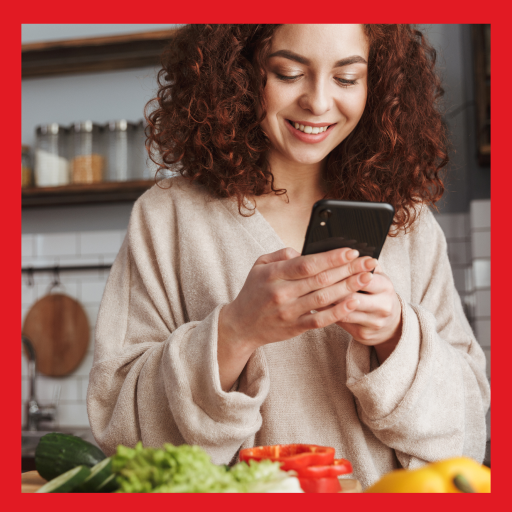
{"type": "Point", "coordinates": [317, 98]}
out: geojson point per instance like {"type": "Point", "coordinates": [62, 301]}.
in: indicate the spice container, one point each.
{"type": "Point", "coordinates": [51, 168]}
{"type": "Point", "coordinates": [26, 167]}
{"type": "Point", "coordinates": [88, 162]}
{"type": "Point", "coordinates": [121, 137]}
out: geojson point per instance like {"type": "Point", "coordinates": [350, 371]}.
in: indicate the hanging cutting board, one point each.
{"type": "Point", "coordinates": [58, 328]}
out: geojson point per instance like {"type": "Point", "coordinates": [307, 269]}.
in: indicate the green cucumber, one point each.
{"type": "Point", "coordinates": [57, 453]}
{"type": "Point", "coordinates": [109, 485]}
{"type": "Point", "coordinates": [68, 481]}
{"type": "Point", "coordinates": [99, 473]}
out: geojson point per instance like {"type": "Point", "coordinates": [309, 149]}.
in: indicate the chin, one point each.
{"type": "Point", "coordinates": [306, 159]}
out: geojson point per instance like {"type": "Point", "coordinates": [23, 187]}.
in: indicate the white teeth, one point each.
{"type": "Point", "coordinates": [310, 129]}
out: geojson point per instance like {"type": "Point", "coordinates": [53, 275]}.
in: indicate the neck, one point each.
{"type": "Point", "coordinates": [304, 183]}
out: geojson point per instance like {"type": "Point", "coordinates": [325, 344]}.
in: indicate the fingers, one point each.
{"type": "Point", "coordinates": [312, 264]}
{"type": "Point", "coordinates": [335, 275]}
{"type": "Point", "coordinates": [379, 284]}
{"type": "Point", "coordinates": [333, 294]}
{"type": "Point", "coordinates": [327, 316]}
{"type": "Point", "coordinates": [367, 314]}
{"type": "Point", "coordinates": [287, 253]}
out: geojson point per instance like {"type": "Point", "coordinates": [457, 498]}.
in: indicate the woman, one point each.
{"type": "Point", "coordinates": [214, 331]}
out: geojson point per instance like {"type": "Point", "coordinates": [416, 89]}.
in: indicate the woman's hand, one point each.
{"type": "Point", "coordinates": [278, 296]}
{"type": "Point", "coordinates": [377, 318]}
{"type": "Point", "coordinates": [283, 288]}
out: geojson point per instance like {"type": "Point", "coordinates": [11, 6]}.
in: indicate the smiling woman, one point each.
{"type": "Point", "coordinates": [214, 330]}
{"type": "Point", "coordinates": [316, 92]}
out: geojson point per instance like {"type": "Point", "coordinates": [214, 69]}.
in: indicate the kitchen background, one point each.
{"type": "Point", "coordinates": [91, 234]}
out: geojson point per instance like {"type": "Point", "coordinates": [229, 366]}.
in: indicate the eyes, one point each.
{"type": "Point", "coordinates": [343, 82]}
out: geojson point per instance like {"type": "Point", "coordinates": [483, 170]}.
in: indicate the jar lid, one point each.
{"type": "Point", "coordinates": [51, 128]}
{"type": "Point", "coordinates": [87, 126]}
{"type": "Point", "coordinates": [122, 125]}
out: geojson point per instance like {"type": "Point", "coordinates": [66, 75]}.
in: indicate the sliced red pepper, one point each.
{"type": "Point", "coordinates": [330, 484]}
{"type": "Point", "coordinates": [338, 467]}
{"type": "Point", "coordinates": [291, 456]}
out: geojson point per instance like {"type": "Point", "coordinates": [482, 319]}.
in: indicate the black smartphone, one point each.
{"type": "Point", "coordinates": [334, 224]}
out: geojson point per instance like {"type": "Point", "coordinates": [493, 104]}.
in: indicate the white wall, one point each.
{"type": "Point", "coordinates": [85, 248]}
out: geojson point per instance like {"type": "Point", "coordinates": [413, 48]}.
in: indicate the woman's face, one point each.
{"type": "Point", "coordinates": [316, 89]}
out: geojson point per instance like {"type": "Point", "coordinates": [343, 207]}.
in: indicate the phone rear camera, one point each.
{"type": "Point", "coordinates": [325, 214]}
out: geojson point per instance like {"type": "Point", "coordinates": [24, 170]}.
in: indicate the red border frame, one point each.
{"type": "Point", "coordinates": [94, 11]}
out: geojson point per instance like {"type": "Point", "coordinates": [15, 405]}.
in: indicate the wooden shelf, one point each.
{"type": "Point", "coordinates": [93, 54]}
{"type": "Point", "coordinates": [94, 193]}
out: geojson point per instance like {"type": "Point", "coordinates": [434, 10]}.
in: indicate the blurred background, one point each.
{"type": "Point", "coordinates": [84, 88]}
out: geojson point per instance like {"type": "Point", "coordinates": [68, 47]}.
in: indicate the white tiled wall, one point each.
{"type": "Point", "coordinates": [456, 227]}
{"type": "Point", "coordinates": [480, 216]}
{"type": "Point", "coordinates": [86, 248]}
{"type": "Point", "coordinates": [468, 238]}
{"type": "Point", "coordinates": [469, 249]}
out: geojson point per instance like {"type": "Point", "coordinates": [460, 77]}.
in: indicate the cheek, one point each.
{"type": "Point", "coordinates": [275, 101]}
{"type": "Point", "coordinates": [359, 103]}
{"type": "Point", "coordinates": [276, 98]}
{"type": "Point", "coordinates": [353, 107]}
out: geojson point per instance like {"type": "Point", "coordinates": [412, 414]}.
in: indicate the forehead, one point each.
{"type": "Point", "coordinates": [322, 41]}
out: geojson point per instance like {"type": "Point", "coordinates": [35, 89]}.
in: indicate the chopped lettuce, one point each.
{"type": "Point", "coordinates": [189, 469]}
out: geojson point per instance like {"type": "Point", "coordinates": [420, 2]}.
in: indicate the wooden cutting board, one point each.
{"type": "Point", "coordinates": [58, 328]}
{"type": "Point", "coordinates": [31, 481]}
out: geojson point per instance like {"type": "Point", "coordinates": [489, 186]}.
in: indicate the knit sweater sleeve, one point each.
{"type": "Point", "coordinates": [155, 375]}
{"type": "Point", "coordinates": [429, 398]}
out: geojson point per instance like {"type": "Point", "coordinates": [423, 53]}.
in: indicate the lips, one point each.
{"type": "Point", "coordinates": [313, 128]}
{"type": "Point", "coordinates": [309, 132]}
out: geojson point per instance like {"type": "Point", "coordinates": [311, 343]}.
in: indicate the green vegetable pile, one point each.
{"type": "Point", "coordinates": [185, 469]}
{"type": "Point", "coordinates": [71, 464]}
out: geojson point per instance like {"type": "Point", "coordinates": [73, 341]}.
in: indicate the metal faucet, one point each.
{"type": "Point", "coordinates": [35, 412]}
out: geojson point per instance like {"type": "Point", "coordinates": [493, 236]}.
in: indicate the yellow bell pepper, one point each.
{"type": "Point", "coordinates": [459, 474]}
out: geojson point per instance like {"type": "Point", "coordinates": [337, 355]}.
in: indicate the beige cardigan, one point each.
{"type": "Point", "coordinates": [155, 375]}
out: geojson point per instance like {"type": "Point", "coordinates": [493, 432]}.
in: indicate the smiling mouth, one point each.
{"type": "Point", "coordinates": [313, 130]}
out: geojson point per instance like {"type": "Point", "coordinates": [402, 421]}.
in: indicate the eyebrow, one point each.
{"type": "Point", "coordinates": [287, 54]}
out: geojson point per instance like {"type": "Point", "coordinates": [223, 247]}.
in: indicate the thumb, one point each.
{"type": "Point", "coordinates": [287, 253]}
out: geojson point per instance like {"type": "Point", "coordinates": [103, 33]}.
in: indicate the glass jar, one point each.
{"type": "Point", "coordinates": [88, 149]}
{"type": "Point", "coordinates": [120, 143]}
{"type": "Point", "coordinates": [144, 168]}
{"type": "Point", "coordinates": [51, 167]}
{"type": "Point", "coordinates": [26, 167]}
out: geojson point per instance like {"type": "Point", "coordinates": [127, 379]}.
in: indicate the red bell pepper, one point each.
{"type": "Point", "coordinates": [337, 468]}
{"type": "Point", "coordinates": [291, 456]}
{"type": "Point", "coordinates": [329, 484]}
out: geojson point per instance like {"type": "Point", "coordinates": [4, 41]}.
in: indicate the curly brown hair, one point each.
{"type": "Point", "coordinates": [204, 123]}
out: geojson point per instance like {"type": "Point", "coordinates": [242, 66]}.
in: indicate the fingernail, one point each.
{"type": "Point", "coordinates": [371, 263]}
{"type": "Point", "coordinates": [352, 304]}
{"type": "Point", "coordinates": [365, 278]}
{"type": "Point", "coordinates": [352, 254]}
